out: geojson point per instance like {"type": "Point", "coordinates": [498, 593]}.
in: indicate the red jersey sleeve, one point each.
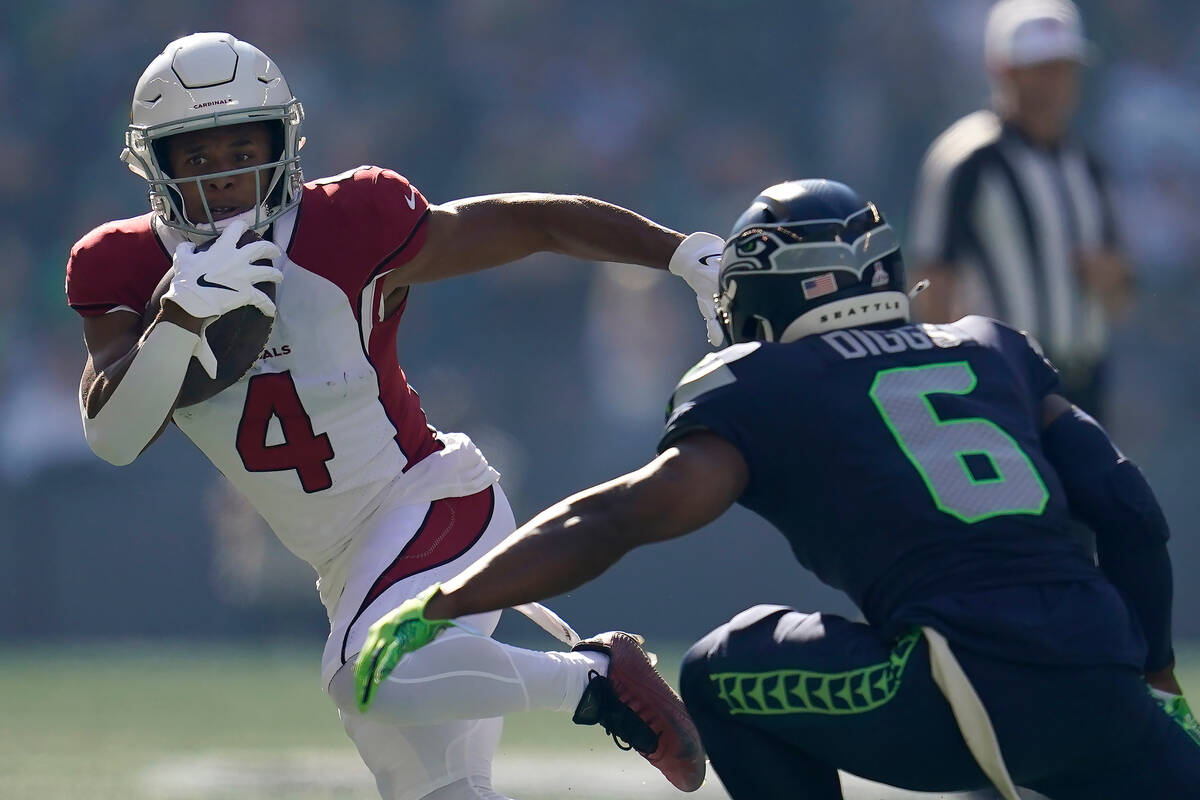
{"type": "Point", "coordinates": [402, 212]}
{"type": "Point", "coordinates": [117, 264]}
{"type": "Point", "coordinates": [358, 225]}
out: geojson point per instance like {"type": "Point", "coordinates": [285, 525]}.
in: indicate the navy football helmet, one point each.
{"type": "Point", "coordinates": [807, 257]}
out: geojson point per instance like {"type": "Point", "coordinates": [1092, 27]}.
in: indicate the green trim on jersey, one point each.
{"type": "Point", "coordinates": [800, 691]}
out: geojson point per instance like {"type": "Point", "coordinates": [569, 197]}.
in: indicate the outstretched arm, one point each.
{"type": "Point", "coordinates": [566, 545]}
{"type": "Point", "coordinates": [688, 486]}
{"type": "Point", "coordinates": [480, 232]}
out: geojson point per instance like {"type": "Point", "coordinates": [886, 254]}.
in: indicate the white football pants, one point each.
{"type": "Point", "coordinates": [434, 725]}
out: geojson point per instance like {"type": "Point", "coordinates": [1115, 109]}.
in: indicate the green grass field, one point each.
{"type": "Point", "coordinates": [194, 722]}
{"type": "Point", "coordinates": [197, 722]}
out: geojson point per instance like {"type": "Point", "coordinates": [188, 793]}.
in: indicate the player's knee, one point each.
{"type": "Point", "coordinates": [391, 705]}
{"type": "Point", "coordinates": [694, 680]}
{"type": "Point", "coordinates": [756, 615]}
{"type": "Point", "coordinates": [698, 662]}
{"type": "Point", "coordinates": [394, 707]}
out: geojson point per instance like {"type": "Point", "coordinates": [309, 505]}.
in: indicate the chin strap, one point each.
{"type": "Point", "coordinates": [250, 216]}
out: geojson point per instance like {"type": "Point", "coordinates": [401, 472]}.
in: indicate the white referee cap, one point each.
{"type": "Point", "coordinates": [1024, 32]}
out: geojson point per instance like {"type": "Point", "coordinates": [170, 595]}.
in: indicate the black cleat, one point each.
{"type": "Point", "coordinates": [640, 711]}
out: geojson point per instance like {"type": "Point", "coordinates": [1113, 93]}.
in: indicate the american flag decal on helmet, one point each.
{"type": "Point", "coordinates": [819, 286]}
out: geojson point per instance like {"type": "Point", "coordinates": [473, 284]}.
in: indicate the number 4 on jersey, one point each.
{"type": "Point", "coordinates": [274, 395]}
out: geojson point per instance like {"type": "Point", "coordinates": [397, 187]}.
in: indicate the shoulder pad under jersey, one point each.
{"type": "Point", "coordinates": [712, 372]}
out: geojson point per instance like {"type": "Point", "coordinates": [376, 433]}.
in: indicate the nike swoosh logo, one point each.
{"type": "Point", "coordinates": [704, 259]}
{"type": "Point", "coordinates": [203, 281]}
{"type": "Point", "coordinates": [412, 198]}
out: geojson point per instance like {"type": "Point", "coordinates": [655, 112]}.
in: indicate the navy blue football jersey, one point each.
{"type": "Point", "coordinates": [904, 466]}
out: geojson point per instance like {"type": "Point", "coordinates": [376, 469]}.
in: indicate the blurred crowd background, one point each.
{"type": "Point", "coordinates": [559, 370]}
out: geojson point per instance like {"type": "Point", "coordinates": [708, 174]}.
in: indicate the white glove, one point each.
{"type": "Point", "coordinates": [698, 261]}
{"type": "Point", "coordinates": [216, 281]}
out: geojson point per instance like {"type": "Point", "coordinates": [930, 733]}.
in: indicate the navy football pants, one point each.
{"type": "Point", "coordinates": [783, 700]}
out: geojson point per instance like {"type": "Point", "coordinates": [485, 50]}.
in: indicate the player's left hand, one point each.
{"type": "Point", "coordinates": [1177, 709]}
{"type": "Point", "coordinates": [402, 630]}
{"type": "Point", "coordinates": [698, 261]}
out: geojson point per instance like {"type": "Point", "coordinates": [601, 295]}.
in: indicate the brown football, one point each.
{"type": "Point", "coordinates": [237, 338]}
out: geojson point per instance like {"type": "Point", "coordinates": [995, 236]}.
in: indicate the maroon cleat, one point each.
{"type": "Point", "coordinates": [637, 707]}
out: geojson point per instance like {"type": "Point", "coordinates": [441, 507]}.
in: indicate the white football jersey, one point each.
{"type": "Point", "coordinates": [324, 429]}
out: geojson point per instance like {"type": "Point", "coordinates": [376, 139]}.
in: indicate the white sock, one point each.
{"type": "Point", "coordinates": [595, 662]}
{"type": "Point", "coordinates": [466, 676]}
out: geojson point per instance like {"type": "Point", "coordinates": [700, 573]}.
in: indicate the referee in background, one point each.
{"type": "Point", "coordinates": [1011, 217]}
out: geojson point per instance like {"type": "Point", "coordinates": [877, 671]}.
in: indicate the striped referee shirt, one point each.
{"type": "Point", "coordinates": [1011, 217]}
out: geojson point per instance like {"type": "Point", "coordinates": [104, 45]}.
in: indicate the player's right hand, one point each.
{"type": "Point", "coordinates": [402, 630]}
{"type": "Point", "coordinates": [215, 281]}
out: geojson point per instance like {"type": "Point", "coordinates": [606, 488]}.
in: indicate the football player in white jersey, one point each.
{"type": "Point", "coordinates": [323, 435]}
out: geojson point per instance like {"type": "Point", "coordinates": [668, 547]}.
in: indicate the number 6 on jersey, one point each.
{"type": "Point", "coordinates": [940, 449]}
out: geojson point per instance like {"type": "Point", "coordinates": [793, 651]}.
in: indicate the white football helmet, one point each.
{"type": "Point", "coordinates": [207, 80]}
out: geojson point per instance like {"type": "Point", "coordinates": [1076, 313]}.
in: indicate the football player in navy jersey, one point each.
{"type": "Point", "coordinates": [928, 471]}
